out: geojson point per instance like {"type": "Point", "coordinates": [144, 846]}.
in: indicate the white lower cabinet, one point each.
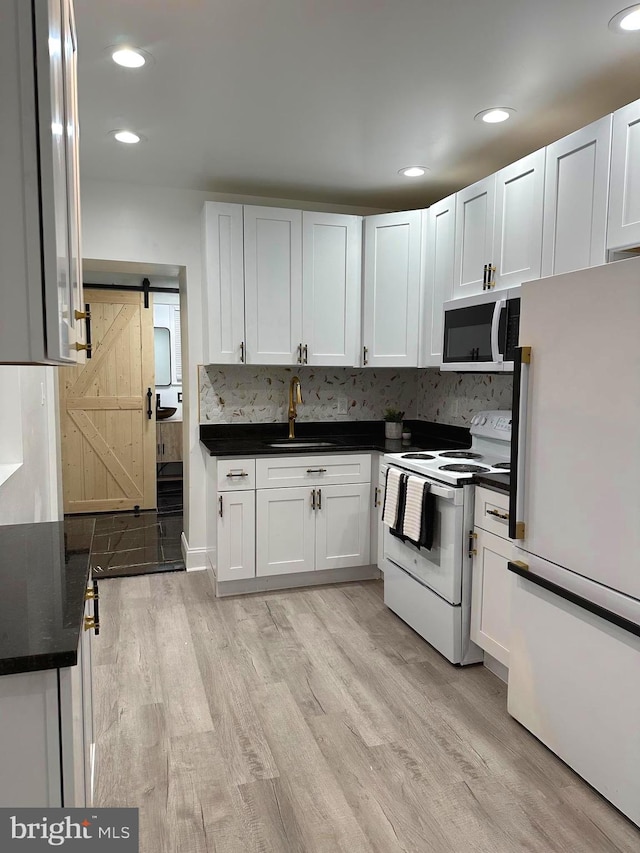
{"type": "Point", "coordinates": [236, 535]}
{"type": "Point", "coordinates": [492, 581]}
{"type": "Point", "coordinates": [343, 532]}
{"type": "Point", "coordinates": [46, 736]}
{"type": "Point", "coordinates": [309, 529]}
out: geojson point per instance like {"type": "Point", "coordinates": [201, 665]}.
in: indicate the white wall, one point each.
{"type": "Point", "coordinates": [32, 492]}
{"type": "Point", "coordinates": [158, 225]}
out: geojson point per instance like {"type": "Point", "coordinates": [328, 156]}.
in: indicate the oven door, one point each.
{"type": "Point", "coordinates": [440, 569]}
{"type": "Point", "coordinates": [472, 332]}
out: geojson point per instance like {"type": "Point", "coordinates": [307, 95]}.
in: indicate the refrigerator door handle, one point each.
{"type": "Point", "coordinates": [521, 362]}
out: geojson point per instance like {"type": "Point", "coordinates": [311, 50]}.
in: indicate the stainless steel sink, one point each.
{"type": "Point", "coordinates": [293, 444]}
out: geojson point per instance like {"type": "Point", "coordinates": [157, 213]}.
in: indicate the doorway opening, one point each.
{"type": "Point", "coordinates": [121, 419]}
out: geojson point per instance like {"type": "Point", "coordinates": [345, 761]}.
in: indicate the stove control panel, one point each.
{"type": "Point", "coordinates": [492, 424]}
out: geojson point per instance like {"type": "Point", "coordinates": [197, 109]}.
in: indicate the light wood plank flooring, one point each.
{"type": "Point", "coordinates": [315, 721]}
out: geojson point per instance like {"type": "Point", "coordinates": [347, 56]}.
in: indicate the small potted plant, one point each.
{"type": "Point", "coordinates": [393, 423]}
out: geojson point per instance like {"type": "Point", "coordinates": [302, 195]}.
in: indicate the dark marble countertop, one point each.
{"type": "Point", "coordinates": [497, 482]}
{"type": "Point", "coordinates": [253, 439]}
{"type": "Point", "coordinates": [44, 570]}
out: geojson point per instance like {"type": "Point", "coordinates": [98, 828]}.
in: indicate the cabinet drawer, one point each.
{"type": "Point", "coordinates": [280, 472]}
{"type": "Point", "coordinates": [492, 511]}
{"type": "Point", "coordinates": [236, 474]}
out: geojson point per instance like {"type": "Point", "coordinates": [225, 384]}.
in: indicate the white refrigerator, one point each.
{"type": "Point", "coordinates": [574, 675]}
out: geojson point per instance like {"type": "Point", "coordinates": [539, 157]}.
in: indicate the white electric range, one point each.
{"type": "Point", "coordinates": [430, 589]}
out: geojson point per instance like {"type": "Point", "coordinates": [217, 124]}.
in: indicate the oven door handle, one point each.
{"type": "Point", "coordinates": [436, 489]}
{"type": "Point", "coordinates": [496, 356]}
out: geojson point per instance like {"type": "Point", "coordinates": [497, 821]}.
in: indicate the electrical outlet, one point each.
{"type": "Point", "coordinates": [342, 405]}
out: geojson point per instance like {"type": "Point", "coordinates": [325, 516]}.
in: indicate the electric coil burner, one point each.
{"type": "Point", "coordinates": [417, 456]}
{"type": "Point", "coordinates": [464, 469]}
{"type": "Point", "coordinates": [461, 454]}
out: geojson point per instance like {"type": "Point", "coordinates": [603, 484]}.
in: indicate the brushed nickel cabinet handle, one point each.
{"type": "Point", "coordinates": [220, 510]}
{"type": "Point", "coordinates": [319, 498]}
{"type": "Point", "coordinates": [306, 354]}
{"type": "Point", "coordinates": [313, 499]}
{"type": "Point", "coordinates": [299, 359]}
{"type": "Point", "coordinates": [375, 496]}
{"type": "Point", "coordinates": [243, 474]}
{"type": "Point", "coordinates": [242, 352]}
{"type": "Point", "coordinates": [316, 470]}
{"type": "Point", "coordinates": [365, 350]}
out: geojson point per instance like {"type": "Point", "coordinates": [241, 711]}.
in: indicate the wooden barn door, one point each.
{"type": "Point", "coordinates": [108, 439]}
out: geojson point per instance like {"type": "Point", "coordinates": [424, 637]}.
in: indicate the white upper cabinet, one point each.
{"type": "Point", "coordinates": [438, 238]}
{"type": "Point", "coordinates": [391, 289]}
{"type": "Point", "coordinates": [576, 189]}
{"type": "Point", "coordinates": [40, 269]}
{"type": "Point", "coordinates": [624, 199]}
{"type": "Point", "coordinates": [222, 240]}
{"type": "Point", "coordinates": [475, 207]}
{"type": "Point", "coordinates": [517, 234]}
{"type": "Point", "coordinates": [331, 270]}
{"type": "Point", "coordinates": [273, 284]}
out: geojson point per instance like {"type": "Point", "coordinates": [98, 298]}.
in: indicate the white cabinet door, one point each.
{"type": "Point", "coordinates": [623, 229]}
{"type": "Point", "coordinates": [517, 235]}
{"type": "Point", "coordinates": [331, 267]}
{"type": "Point", "coordinates": [391, 289]}
{"type": "Point", "coordinates": [273, 284]}
{"type": "Point", "coordinates": [39, 238]}
{"type": "Point", "coordinates": [285, 540]}
{"type": "Point", "coordinates": [438, 229]}
{"type": "Point", "coordinates": [236, 535]}
{"type": "Point", "coordinates": [491, 594]}
{"type": "Point", "coordinates": [343, 526]}
{"type": "Point", "coordinates": [475, 207]}
{"type": "Point", "coordinates": [222, 241]}
{"type": "Point", "coordinates": [576, 190]}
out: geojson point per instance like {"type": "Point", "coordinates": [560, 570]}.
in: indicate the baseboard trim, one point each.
{"type": "Point", "coordinates": [293, 581]}
{"type": "Point", "coordinates": [195, 559]}
{"type": "Point", "coordinates": [496, 667]}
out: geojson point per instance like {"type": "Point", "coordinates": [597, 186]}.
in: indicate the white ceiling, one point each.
{"type": "Point", "coordinates": [326, 99]}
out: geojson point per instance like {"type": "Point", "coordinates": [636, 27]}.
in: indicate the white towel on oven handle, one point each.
{"type": "Point", "coordinates": [412, 524]}
{"type": "Point", "coordinates": [391, 494]}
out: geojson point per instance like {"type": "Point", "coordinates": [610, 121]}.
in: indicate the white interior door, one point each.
{"type": "Point", "coordinates": [391, 289]}
{"type": "Point", "coordinates": [285, 521]}
{"type": "Point", "coordinates": [273, 284]}
{"type": "Point", "coordinates": [236, 535]}
{"type": "Point", "coordinates": [331, 284]}
{"type": "Point", "coordinates": [517, 237]}
{"type": "Point", "coordinates": [343, 526]}
{"type": "Point", "coordinates": [576, 190]}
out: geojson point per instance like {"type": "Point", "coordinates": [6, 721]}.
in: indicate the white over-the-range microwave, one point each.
{"type": "Point", "coordinates": [481, 332]}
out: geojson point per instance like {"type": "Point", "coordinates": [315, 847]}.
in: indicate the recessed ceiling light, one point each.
{"type": "Point", "coordinates": [494, 115]}
{"type": "Point", "coordinates": [413, 171]}
{"type": "Point", "coordinates": [627, 21]}
{"type": "Point", "coordinates": [129, 57]}
{"type": "Point", "coordinates": [127, 136]}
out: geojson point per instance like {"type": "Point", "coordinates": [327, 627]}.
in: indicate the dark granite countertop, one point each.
{"type": "Point", "coordinates": [497, 482]}
{"type": "Point", "coordinates": [44, 570]}
{"type": "Point", "coordinates": [253, 439]}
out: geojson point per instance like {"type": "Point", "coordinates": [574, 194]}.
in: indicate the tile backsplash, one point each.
{"type": "Point", "coordinates": [255, 394]}
{"type": "Point", "coordinates": [454, 398]}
